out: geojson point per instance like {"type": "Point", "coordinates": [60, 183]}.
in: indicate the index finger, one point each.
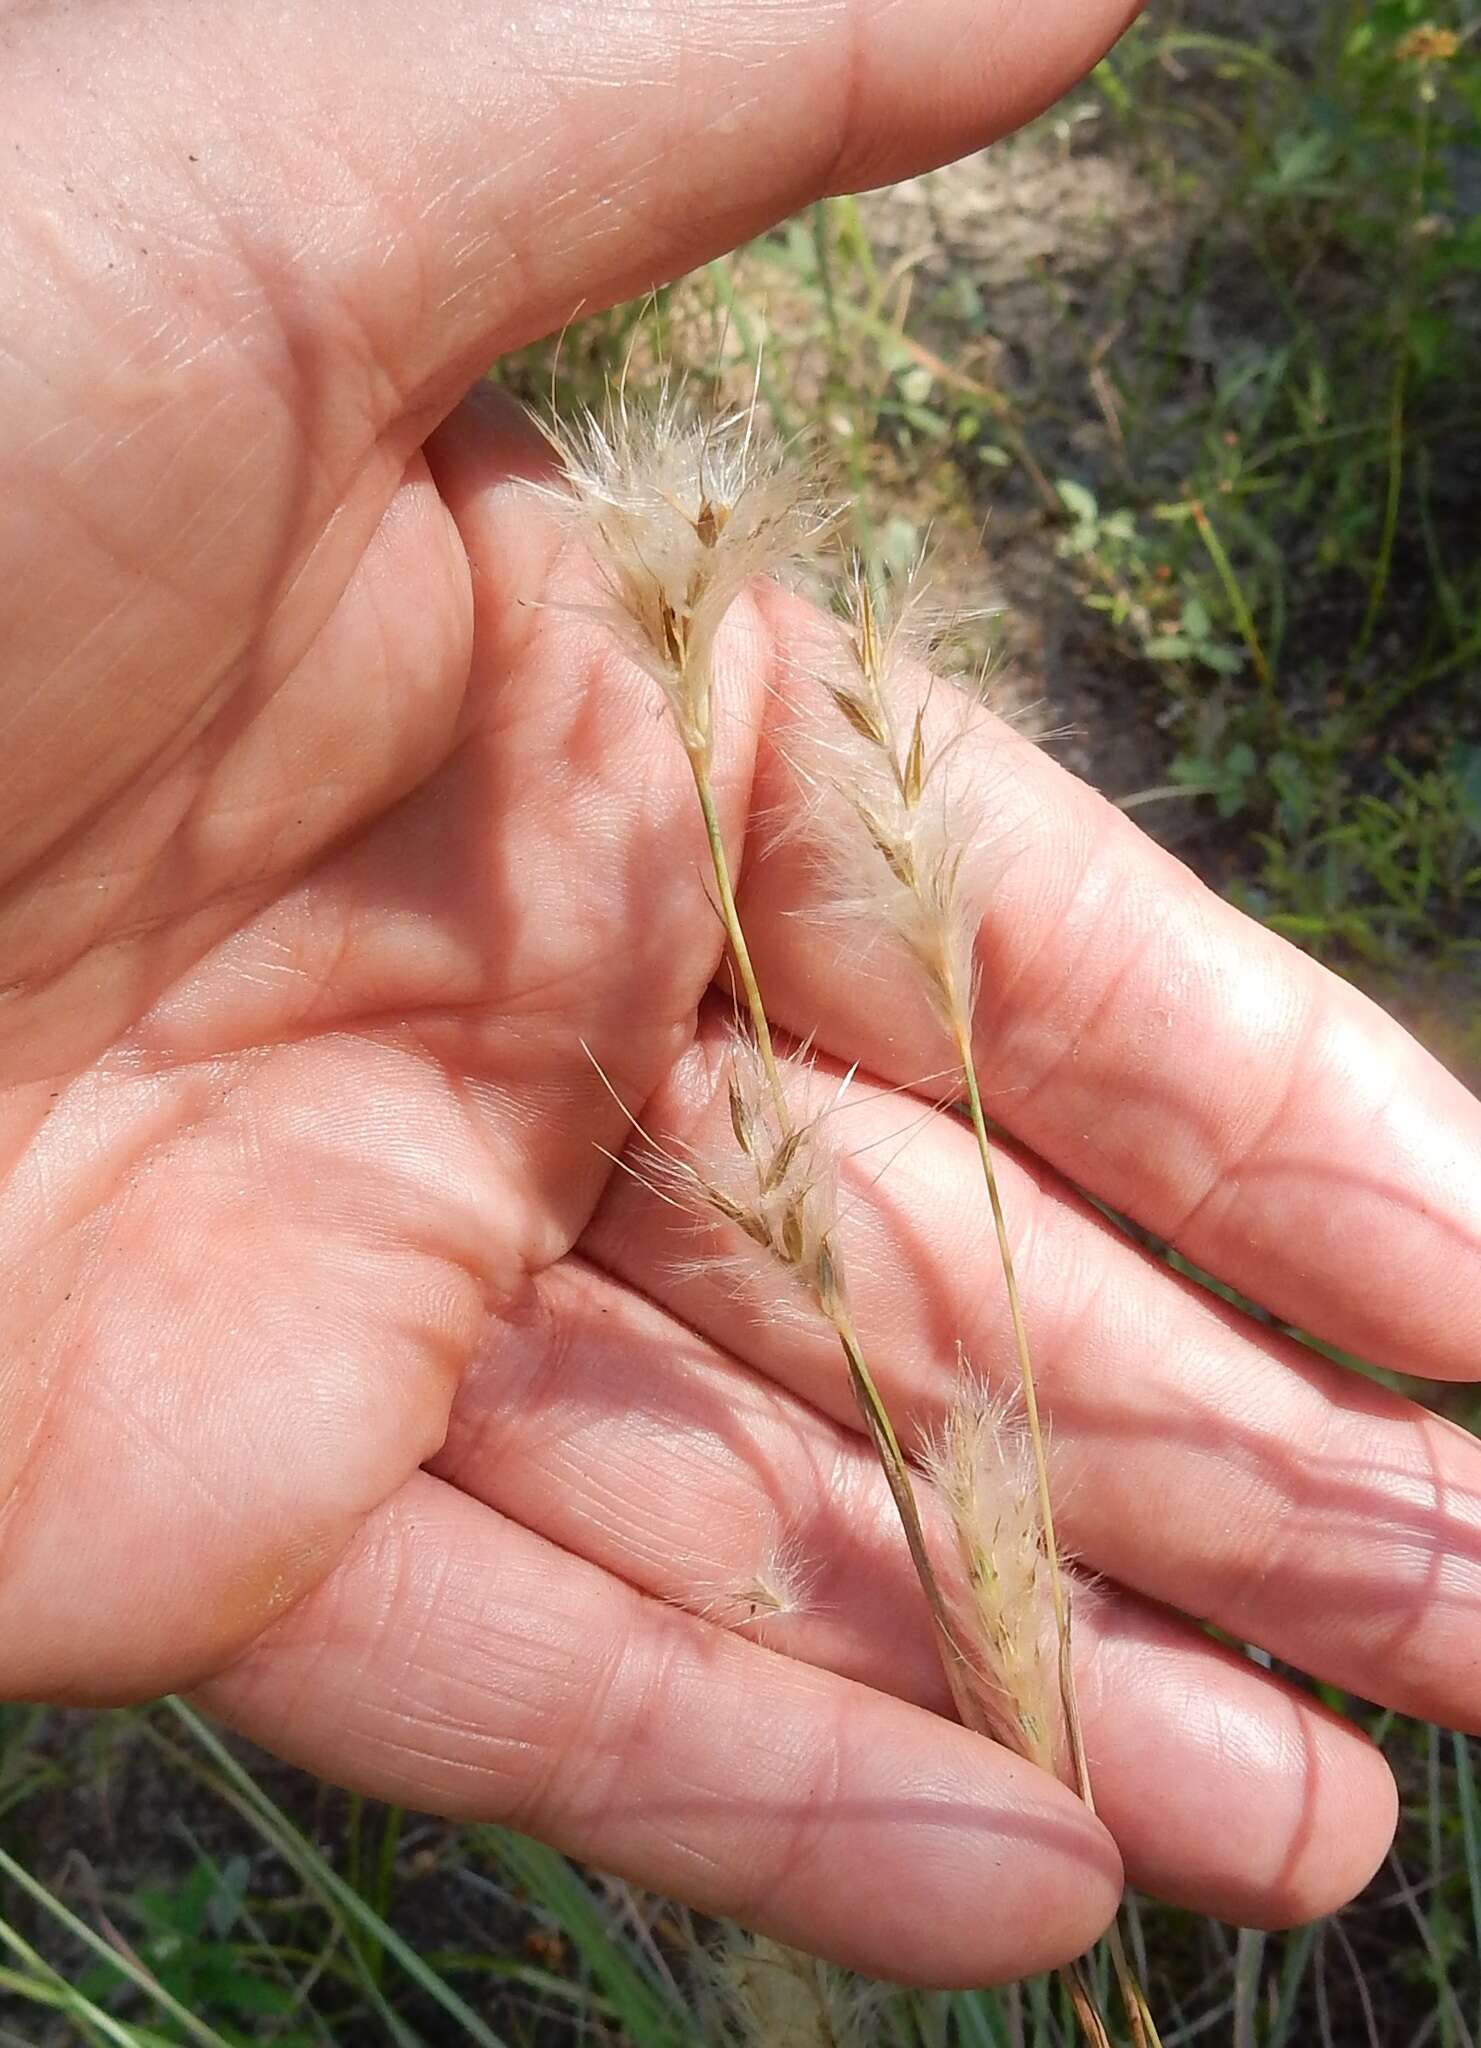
{"type": "Point", "coordinates": [1163, 1051]}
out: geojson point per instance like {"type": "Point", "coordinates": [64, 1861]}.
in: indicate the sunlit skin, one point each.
{"type": "Point", "coordinates": [343, 1382]}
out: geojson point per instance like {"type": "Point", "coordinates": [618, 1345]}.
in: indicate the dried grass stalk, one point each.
{"type": "Point", "coordinates": [680, 513]}
{"type": "Point", "coordinates": [894, 769]}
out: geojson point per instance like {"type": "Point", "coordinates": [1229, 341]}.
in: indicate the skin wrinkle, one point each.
{"type": "Point", "coordinates": [500, 1396]}
{"type": "Point", "coordinates": [265, 1590]}
{"type": "Point", "coordinates": [833, 168]}
{"type": "Point", "coordinates": [1000, 991]}
{"type": "Point", "coordinates": [227, 503]}
{"type": "Point", "coordinates": [137, 363]}
{"type": "Point", "coordinates": [132, 1422]}
{"type": "Point", "coordinates": [23, 1476]}
{"type": "Point", "coordinates": [1244, 1148]}
{"type": "Point", "coordinates": [1084, 1021]}
{"type": "Point", "coordinates": [617, 1713]}
{"type": "Point", "coordinates": [573, 246]}
{"type": "Point", "coordinates": [342, 1624]}
{"type": "Point", "coordinates": [537, 1725]}
{"type": "Point", "coordinates": [802, 1845]}
{"type": "Point", "coordinates": [120, 1151]}
{"type": "Point", "coordinates": [132, 882]}
{"type": "Point", "coordinates": [308, 338]}
{"type": "Point", "coordinates": [1063, 940]}
{"type": "Point", "coordinates": [49, 684]}
{"type": "Point", "coordinates": [115, 623]}
{"type": "Point", "coordinates": [169, 749]}
{"type": "Point", "coordinates": [238, 900]}
{"type": "Point", "coordinates": [420, 1613]}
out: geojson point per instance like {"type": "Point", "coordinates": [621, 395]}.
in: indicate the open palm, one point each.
{"type": "Point", "coordinates": [340, 1378]}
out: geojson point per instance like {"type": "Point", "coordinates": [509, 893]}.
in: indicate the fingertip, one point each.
{"type": "Point", "coordinates": [985, 1871]}
{"type": "Point", "coordinates": [1008, 64]}
{"type": "Point", "coordinates": [1353, 1813]}
{"type": "Point", "coordinates": [1232, 1793]}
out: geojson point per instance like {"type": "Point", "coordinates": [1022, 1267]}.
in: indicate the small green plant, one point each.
{"type": "Point", "coordinates": [193, 1940]}
{"type": "Point", "coordinates": [1309, 594]}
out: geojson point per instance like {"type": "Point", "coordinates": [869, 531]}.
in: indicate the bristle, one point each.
{"type": "Point", "coordinates": [982, 1463]}
{"type": "Point", "coordinates": [680, 511]}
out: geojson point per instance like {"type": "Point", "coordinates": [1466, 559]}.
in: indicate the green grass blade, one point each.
{"type": "Point", "coordinates": [114, 1957]}
{"type": "Point", "coordinates": [299, 1851]}
{"type": "Point", "coordinates": [1470, 1827]}
{"type": "Point", "coordinates": [1300, 1947]}
{"type": "Point", "coordinates": [92, 2022]}
{"type": "Point", "coordinates": [642, 2003]}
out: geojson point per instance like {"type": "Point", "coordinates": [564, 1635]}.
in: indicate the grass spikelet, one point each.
{"type": "Point", "coordinates": [982, 1463]}
{"type": "Point", "coordinates": [919, 825]}
{"type": "Point", "coordinates": [896, 820]}
{"type": "Point", "coordinates": [680, 512]}
{"type": "Point", "coordinates": [779, 1185]}
{"type": "Point", "coordinates": [770, 1996]}
{"type": "Point", "coordinates": [779, 1587]}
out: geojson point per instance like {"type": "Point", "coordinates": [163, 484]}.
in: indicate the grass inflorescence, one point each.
{"type": "Point", "coordinates": [679, 511]}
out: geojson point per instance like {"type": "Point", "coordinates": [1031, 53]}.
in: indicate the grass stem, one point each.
{"type": "Point", "coordinates": [897, 1476]}
{"type": "Point", "coordinates": [740, 952]}
{"type": "Point", "coordinates": [1030, 1407]}
{"type": "Point", "coordinates": [1244, 618]}
{"type": "Point", "coordinates": [866, 1393]}
{"type": "Point", "coordinates": [1138, 2013]}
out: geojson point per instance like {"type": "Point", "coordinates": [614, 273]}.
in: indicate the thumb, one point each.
{"type": "Point", "coordinates": [256, 252]}
{"type": "Point", "coordinates": [448, 180]}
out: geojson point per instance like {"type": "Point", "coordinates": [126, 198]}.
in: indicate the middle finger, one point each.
{"type": "Point", "coordinates": [1205, 1459]}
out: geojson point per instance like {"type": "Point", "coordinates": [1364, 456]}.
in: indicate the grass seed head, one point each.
{"type": "Point", "coordinates": [894, 816]}
{"type": "Point", "coordinates": [680, 511]}
{"type": "Point", "coordinates": [982, 1463]}
{"type": "Point", "coordinates": [779, 1185]}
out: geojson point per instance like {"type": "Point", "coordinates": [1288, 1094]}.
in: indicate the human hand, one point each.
{"type": "Point", "coordinates": [342, 1381]}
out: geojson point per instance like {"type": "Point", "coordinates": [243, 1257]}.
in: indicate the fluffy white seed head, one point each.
{"type": "Point", "coordinates": [894, 815]}
{"type": "Point", "coordinates": [777, 1586]}
{"type": "Point", "coordinates": [1001, 1595]}
{"type": "Point", "coordinates": [680, 511]}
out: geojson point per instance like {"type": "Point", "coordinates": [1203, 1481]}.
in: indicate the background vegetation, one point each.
{"type": "Point", "coordinates": [1186, 380]}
